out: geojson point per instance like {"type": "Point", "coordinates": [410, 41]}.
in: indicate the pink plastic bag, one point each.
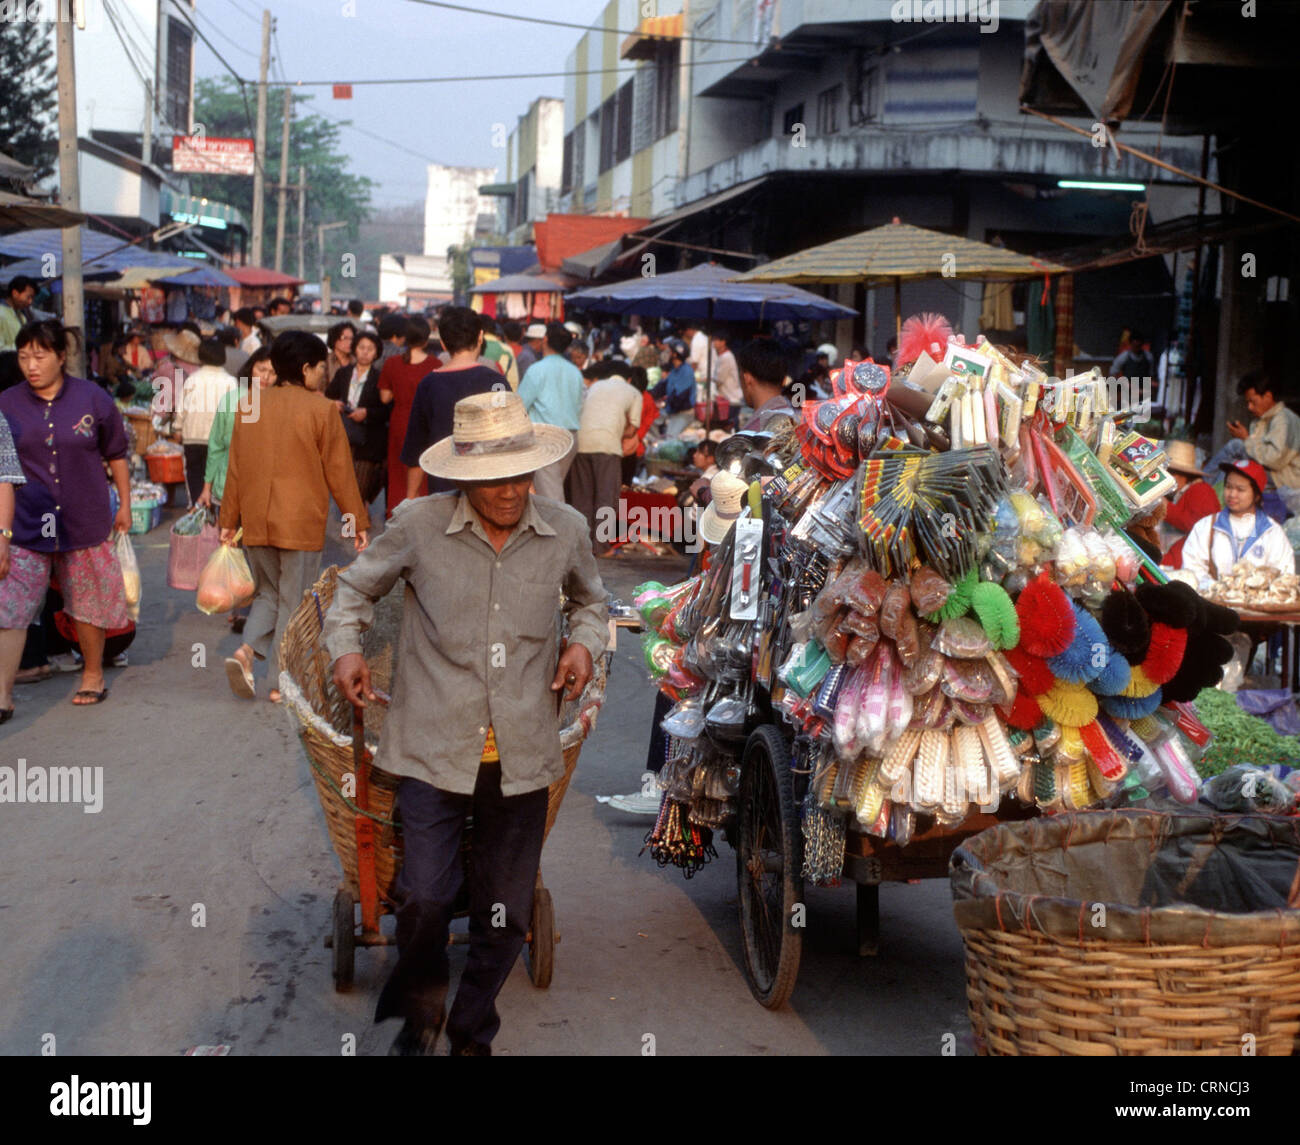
{"type": "Point", "coordinates": [187, 554]}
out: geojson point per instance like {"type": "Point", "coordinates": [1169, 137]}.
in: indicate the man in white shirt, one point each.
{"type": "Point", "coordinates": [201, 393]}
{"type": "Point", "coordinates": [726, 376]}
{"type": "Point", "coordinates": [698, 360]}
{"type": "Point", "coordinates": [611, 413]}
{"type": "Point", "coordinates": [246, 323]}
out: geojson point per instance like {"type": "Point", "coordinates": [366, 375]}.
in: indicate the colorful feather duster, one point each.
{"type": "Point", "coordinates": [920, 334]}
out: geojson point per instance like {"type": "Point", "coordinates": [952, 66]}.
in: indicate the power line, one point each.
{"type": "Point", "coordinates": [506, 76]}
{"type": "Point", "coordinates": [229, 39]}
{"type": "Point", "coordinates": [569, 24]}
{"type": "Point", "coordinates": [244, 11]}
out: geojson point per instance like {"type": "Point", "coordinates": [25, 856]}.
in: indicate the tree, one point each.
{"type": "Point", "coordinates": [29, 109]}
{"type": "Point", "coordinates": [333, 193]}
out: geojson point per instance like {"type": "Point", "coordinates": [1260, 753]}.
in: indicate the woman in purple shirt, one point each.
{"type": "Point", "coordinates": [65, 429]}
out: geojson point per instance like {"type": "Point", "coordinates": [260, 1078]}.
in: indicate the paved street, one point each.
{"type": "Point", "coordinates": [208, 800]}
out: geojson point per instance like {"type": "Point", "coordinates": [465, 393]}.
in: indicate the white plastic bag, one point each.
{"type": "Point", "coordinates": [125, 553]}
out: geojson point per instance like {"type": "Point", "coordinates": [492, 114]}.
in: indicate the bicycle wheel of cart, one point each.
{"type": "Point", "coordinates": [769, 867]}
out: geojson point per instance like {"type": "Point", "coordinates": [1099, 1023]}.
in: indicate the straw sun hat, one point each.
{"type": "Point", "coordinates": [1181, 457]}
{"type": "Point", "coordinates": [183, 344]}
{"type": "Point", "coordinates": [493, 439]}
{"type": "Point", "coordinates": [728, 494]}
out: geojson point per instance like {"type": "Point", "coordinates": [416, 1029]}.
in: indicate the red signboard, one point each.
{"type": "Point", "coordinates": [208, 155]}
{"type": "Point", "coordinates": [342, 91]}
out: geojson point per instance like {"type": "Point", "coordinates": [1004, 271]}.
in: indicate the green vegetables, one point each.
{"type": "Point", "coordinates": [1240, 737]}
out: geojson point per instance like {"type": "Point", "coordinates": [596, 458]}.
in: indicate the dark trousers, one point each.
{"type": "Point", "coordinates": [595, 482]}
{"type": "Point", "coordinates": [196, 461]}
{"type": "Point", "coordinates": [505, 852]}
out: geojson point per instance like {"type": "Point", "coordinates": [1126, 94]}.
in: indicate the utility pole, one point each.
{"type": "Point", "coordinates": [70, 188]}
{"type": "Point", "coordinates": [284, 182]}
{"type": "Point", "coordinates": [146, 136]}
{"type": "Point", "coordinates": [259, 145]}
{"type": "Point", "coordinates": [302, 221]}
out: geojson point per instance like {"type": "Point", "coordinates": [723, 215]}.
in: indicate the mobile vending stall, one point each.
{"type": "Point", "coordinates": [927, 619]}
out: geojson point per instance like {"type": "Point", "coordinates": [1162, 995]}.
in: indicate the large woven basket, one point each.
{"type": "Point", "coordinates": [324, 720]}
{"type": "Point", "coordinates": [1132, 932]}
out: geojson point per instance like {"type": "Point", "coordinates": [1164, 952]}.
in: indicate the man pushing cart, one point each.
{"type": "Point", "coordinates": [473, 728]}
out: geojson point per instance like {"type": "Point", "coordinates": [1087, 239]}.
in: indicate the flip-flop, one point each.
{"type": "Point", "coordinates": [100, 697]}
{"type": "Point", "coordinates": [6, 714]}
{"type": "Point", "coordinates": [241, 678]}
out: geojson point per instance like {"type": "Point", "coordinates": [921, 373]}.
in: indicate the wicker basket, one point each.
{"type": "Point", "coordinates": [322, 714]}
{"type": "Point", "coordinates": [1132, 932]}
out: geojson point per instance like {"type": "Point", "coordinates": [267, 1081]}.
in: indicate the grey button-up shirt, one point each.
{"type": "Point", "coordinates": [478, 636]}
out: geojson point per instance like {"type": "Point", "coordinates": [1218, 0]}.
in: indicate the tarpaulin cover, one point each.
{"type": "Point", "coordinates": [1276, 705]}
{"type": "Point", "coordinates": [1216, 880]}
{"type": "Point", "coordinates": [1081, 55]}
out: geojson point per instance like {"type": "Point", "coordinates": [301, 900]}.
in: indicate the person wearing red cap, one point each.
{"type": "Point", "coordinates": [1241, 531]}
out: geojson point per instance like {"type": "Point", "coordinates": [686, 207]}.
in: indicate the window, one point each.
{"type": "Point", "coordinates": [566, 165]}
{"type": "Point", "coordinates": [623, 132]}
{"type": "Point", "coordinates": [828, 110]}
{"type": "Point", "coordinates": [180, 54]}
{"type": "Point", "coordinates": [667, 79]}
{"type": "Point", "coordinates": [608, 116]}
{"type": "Point", "coordinates": [864, 91]}
{"type": "Point", "coordinates": [792, 117]}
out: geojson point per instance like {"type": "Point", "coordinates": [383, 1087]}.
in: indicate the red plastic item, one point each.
{"type": "Point", "coordinates": [166, 468]}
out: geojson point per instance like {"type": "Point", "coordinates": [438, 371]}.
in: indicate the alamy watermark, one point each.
{"type": "Point", "coordinates": [25, 784]}
{"type": "Point", "coordinates": [981, 12]}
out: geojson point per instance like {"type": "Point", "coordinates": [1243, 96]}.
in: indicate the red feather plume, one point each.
{"type": "Point", "coordinates": [1165, 652]}
{"type": "Point", "coordinates": [1046, 618]}
{"type": "Point", "coordinates": [919, 334]}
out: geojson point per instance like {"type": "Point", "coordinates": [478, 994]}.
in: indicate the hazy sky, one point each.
{"type": "Point", "coordinates": [400, 39]}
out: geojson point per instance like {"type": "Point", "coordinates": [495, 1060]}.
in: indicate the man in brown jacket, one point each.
{"type": "Point", "coordinates": [284, 467]}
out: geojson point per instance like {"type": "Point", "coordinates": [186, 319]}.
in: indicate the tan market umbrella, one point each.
{"type": "Point", "coordinates": [899, 252]}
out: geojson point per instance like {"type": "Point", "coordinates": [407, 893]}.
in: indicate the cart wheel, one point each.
{"type": "Point", "coordinates": [769, 868]}
{"type": "Point", "coordinates": [541, 939]}
{"type": "Point", "coordinates": [345, 943]}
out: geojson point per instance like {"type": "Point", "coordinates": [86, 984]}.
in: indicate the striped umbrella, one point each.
{"type": "Point", "coordinates": [899, 252]}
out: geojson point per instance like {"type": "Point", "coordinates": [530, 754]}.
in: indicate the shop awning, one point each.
{"type": "Point", "coordinates": [650, 36]}
{"type": "Point", "coordinates": [705, 204]}
{"type": "Point", "coordinates": [261, 276]}
{"type": "Point", "coordinates": [561, 236]}
{"type": "Point", "coordinates": [520, 284]}
{"type": "Point", "coordinates": [102, 256]}
{"type": "Point", "coordinates": [1179, 234]}
{"type": "Point", "coordinates": [18, 212]}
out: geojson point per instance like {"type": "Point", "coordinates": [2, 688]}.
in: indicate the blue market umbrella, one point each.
{"type": "Point", "coordinates": [102, 256]}
{"type": "Point", "coordinates": [705, 292]}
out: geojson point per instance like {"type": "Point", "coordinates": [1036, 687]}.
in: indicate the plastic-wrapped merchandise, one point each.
{"type": "Point", "coordinates": [859, 648]}
{"type": "Point", "coordinates": [867, 591]}
{"type": "Point", "coordinates": [860, 625]}
{"type": "Point", "coordinates": [898, 708]}
{"type": "Point", "coordinates": [928, 590]}
{"type": "Point", "coordinates": [967, 680]}
{"type": "Point", "coordinates": [846, 713]}
{"type": "Point", "coordinates": [871, 715]}
{"type": "Point", "coordinates": [933, 709]}
{"type": "Point", "coordinates": [895, 605]}
{"type": "Point", "coordinates": [924, 673]}
{"type": "Point", "coordinates": [908, 639]}
{"type": "Point", "coordinates": [836, 642]}
{"type": "Point", "coordinates": [1073, 563]}
{"type": "Point", "coordinates": [962, 638]}
{"type": "Point", "coordinates": [970, 713]}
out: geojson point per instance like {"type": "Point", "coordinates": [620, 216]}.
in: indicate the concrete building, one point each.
{"type": "Point", "coordinates": [455, 213]}
{"type": "Point", "coordinates": [765, 126]}
{"type": "Point", "coordinates": [534, 170]}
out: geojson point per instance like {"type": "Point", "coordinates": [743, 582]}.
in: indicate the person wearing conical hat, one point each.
{"type": "Point", "coordinates": [473, 728]}
{"type": "Point", "coordinates": [1195, 498]}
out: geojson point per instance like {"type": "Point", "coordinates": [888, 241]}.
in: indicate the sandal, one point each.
{"type": "Point", "coordinates": [100, 697]}
{"type": "Point", "coordinates": [34, 675]}
{"type": "Point", "coordinates": [240, 677]}
{"type": "Point", "coordinates": [6, 714]}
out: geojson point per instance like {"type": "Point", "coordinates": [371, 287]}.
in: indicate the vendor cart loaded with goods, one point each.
{"type": "Point", "coordinates": [926, 620]}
